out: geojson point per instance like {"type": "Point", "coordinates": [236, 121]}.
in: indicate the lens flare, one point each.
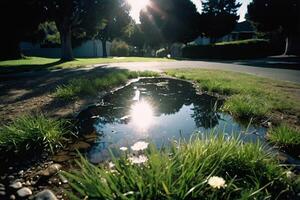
{"type": "Point", "coordinates": [141, 115]}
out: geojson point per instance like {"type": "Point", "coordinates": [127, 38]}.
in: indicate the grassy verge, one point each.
{"type": "Point", "coordinates": [248, 96]}
{"type": "Point", "coordinates": [285, 137]}
{"type": "Point", "coordinates": [31, 133]}
{"type": "Point", "coordinates": [92, 85]}
{"type": "Point", "coordinates": [215, 168]}
{"type": "Point", "coordinates": [37, 63]}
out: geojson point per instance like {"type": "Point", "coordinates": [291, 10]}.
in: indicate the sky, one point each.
{"type": "Point", "coordinates": [137, 5]}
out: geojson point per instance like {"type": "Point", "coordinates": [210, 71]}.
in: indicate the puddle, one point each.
{"type": "Point", "coordinates": [157, 110]}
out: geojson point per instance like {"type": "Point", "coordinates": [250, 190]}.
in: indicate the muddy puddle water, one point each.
{"type": "Point", "coordinates": [157, 110]}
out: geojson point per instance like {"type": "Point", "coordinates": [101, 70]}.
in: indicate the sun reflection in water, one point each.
{"type": "Point", "coordinates": [141, 115]}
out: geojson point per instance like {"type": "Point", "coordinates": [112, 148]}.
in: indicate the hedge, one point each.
{"type": "Point", "coordinates": [244, 49]}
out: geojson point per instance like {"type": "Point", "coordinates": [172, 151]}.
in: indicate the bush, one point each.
{"type": "Point", "coordinates": [161, 53]}
{"type": "Point", "coordinates": [243, 49]}
{"type": "Point", "coordinates": [119, 48]}
{"type": "Point", "coordinates": [186, 170]}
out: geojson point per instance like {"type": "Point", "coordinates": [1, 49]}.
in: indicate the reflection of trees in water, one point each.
{"type": "Point", "coordinates": [205, 111]}
{"type": "Point", "coordinates": [167, 96]}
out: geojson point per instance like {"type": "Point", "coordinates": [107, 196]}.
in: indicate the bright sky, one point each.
{"type": "Point", "coordinates": [137, 5]}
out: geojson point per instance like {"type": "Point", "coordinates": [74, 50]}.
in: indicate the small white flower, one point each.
{"type": "Point", "coordinates": [216, 182]}
{"type": "Point", "coordinates": [139, 146]}
{"type": "Point", "coordinates": [138, 160]}
{"type": "Point", "coordinates": [123, 148]}
{"type": "Point", "coordinates": [111, 165]}
{"type": "Point", "coordinates": [103, 180]}
{"type": "Point", "coordinates": [290, 175]}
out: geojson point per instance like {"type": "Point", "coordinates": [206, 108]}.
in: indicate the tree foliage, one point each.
{"type": "Point", "coordinates": [219, 17]}
{"type": "Point", "coordinates": [171, 20]}
{"type": "Point", "coordinates": [272, 15]}
{"type": "Point", "coordinates": [19, 19]}
{"type": "Point", "coordinates": [117, 19]}
{"type": "Point", "coordinates": [269, 15]}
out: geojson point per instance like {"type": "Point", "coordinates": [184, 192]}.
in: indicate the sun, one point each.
{"type": "Point", "coordinates": [136, 7]}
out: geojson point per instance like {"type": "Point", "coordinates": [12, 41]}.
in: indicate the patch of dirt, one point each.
{"type": "Point", "coordinates": [25, 94]}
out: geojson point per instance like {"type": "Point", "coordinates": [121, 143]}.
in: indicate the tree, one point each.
{"type": "Point", "coordinates": [117, 19]}
{"type": "Point", "coordinates": [153, 34]}
{"type": "Point", "coordinates": [219, 17]}
{"type": "Point", "coordinates": [72, 15]}
{"type": "Point", "coordinates": [271, 15]}
{"type": "Point", "coordinates": [174, 20]}
{"type": "Point", "coordinates": [134, 35]}
{"type": "Point", "coordinates": [19, 19]}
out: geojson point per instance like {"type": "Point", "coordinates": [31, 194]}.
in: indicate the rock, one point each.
{"type": "Point", "coordinates": [2, 187]}
{"type": "Point", "coordinates": [91, 137]}
{"type": "Point", "coordinates": [12, 197]}
{"type": "Point", "coordinates": [61, 158]}
{"type": "Point", "coordinates": [24, 192]}
{"type": "Point", "coordinates": [51, 170]}
{"type": "Point", "coordinates": [16, 185]}
{"type": "Point", "coordinates": [2, 193]}
{"type": "Point", "coordinates": [21, 172]}
{"type": "Point", "coordinates": [45, 195]}
{"type": "Point", "coordinates": [63, 179]}
{"type": "Point", "coordinates": [282, 157]}
{"type": "Point", "coordinates": [10, 177]}
{"type": "Point", "coordinates": [80, 146]}
{"type": "Point", "coordinates": [28, 183]}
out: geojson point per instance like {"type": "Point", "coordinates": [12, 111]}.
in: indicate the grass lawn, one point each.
{"type": "Point", "coordinates": [251, 97]}
{"type": "Point", "coordinates": [36, 63]}
{"type": "Point", "coordinates": [90, 86]}
{"type": "Point", "coordinates": [248, 96]}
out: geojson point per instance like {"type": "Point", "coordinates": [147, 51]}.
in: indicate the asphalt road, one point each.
{"type": "Point", "coordinates": [286, 71]}
{"type": "Point", "coordinates": [281, 68]}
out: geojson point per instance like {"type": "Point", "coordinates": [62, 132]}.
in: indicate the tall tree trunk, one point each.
{"type": "Point", "coordinates": [292, 46]}
{"type": "Point", "coordinates": [104, 48]}
{"type": "Point", "coordinates": [66, 43]}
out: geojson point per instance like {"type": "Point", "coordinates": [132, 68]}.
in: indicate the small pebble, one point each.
{"type": "Point", "coordinates": [16, 185]}
{"type": "Point", "coordinates": [24, 192]}
{"type": "Point", "coordinates": [45, 195]}
{"type": "Point", "coordinates": [27, 183]}
{"type": "Point", "coordinates": [21, 172]}
{"type": "Point", "coordinates": [2, 193]}
{"type": "Point", "coordinates": [12, 197]}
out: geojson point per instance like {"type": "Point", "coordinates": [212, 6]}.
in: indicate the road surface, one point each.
{"type": "Point", "coordinates": [292, 75]}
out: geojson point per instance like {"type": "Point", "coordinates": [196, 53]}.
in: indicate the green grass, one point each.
{"type": "Point", "coordinates": [249, 96]}
{"type": "Point", "coordinates": [36, 63]}
{"type": "Point", "coordinates": [31, 133]}
{"type": "Point", "coordinates": [285, 136]}
{"type": "Point", "coordinates": [93, 85]}
{"type": "Point", "coordinates": [182, 172]}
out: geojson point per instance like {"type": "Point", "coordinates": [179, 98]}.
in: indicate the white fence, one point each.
{"type": "Point", "coordinates": [88, 49]}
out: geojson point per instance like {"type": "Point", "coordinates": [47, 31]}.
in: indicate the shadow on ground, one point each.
{"type": "Point", "coordinates": [28, 67]}
{"type": "Point", "coordinates": [32, 92]}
